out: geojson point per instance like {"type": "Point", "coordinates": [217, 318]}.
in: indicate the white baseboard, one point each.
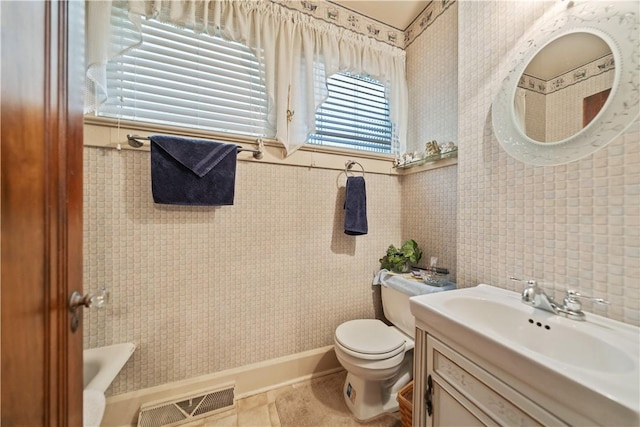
{"type": "Point", "coordinates": [122, 410]}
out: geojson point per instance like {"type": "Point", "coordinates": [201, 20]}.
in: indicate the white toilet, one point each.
{"type": "Point", "coordinates": [378, 358]}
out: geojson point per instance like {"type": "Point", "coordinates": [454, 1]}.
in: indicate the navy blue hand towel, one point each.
{"type": "Point", "coordinates": [355, 207]}
{"type": "Point", "coordinates": [192, 171]}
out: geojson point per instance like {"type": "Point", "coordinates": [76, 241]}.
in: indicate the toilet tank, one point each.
{"type": "Point", "coordinates": [395, 305]}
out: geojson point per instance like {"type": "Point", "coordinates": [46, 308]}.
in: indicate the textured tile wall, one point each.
{"type": "Point", "coordinates": [204, 289]}
{"type": "Point", "coordinates": [429, 214]}
{"type": "Point", "coordinates": [432, 65]}
{"type": "Point", "coordinates": [576, 225]}
{"type": "Point", "coordinates": [563, 119]}
{"type": "Point", "coordinates": [535, 116]}
{"type": "Point", "coordinates": [429, 199]}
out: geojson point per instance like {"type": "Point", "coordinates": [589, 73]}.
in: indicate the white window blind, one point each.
{"type": "Point", "coordinates": [181, 78]}
{"type": "Point", "coordinates": [178, 77]}
{"type": "Point", "coordinates": [355, 115]}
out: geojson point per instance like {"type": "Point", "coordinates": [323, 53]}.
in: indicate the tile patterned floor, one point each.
{"type": "Point", "coordinates": [255, 411]}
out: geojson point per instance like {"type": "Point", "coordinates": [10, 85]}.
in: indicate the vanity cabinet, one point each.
{"type": "Point", "coordinates": [452, 390]}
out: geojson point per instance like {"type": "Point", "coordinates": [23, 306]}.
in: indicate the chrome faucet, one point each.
{"type": "Point", "coordinates": [571, 307]}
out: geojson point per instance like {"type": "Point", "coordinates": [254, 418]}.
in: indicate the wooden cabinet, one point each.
{"type": "Point", "coordinates": [451, 390]}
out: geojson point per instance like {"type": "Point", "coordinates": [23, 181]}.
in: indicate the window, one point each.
{"type": "Point", "coordinates": [355, 115]}
{"type": "Point", "coordinates": [177, 77]}
{"type": "Point", "coordinates": [181, 78]}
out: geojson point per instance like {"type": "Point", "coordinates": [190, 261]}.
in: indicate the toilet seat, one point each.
{"type": "Point", "coordinates": [369, 339]}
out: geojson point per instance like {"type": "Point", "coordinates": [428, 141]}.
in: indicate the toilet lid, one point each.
{"type": "Point", "coordinates": [369, 336]}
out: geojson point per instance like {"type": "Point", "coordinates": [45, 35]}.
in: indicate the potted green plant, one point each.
{"type": "Point", "coordinates": [400, 260]}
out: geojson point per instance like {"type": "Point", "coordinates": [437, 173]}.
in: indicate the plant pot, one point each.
{"type": "Point", "coordinates": [404, 269]}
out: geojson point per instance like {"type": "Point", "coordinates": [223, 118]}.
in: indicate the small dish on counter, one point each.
{"type": "Point", "coordinates": [433, 278]}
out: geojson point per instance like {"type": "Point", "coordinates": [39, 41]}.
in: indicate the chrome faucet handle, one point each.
{"type": "Point", "coordinates": [572, 300]}
{"type": "Point", "coordinates": [535, 296]}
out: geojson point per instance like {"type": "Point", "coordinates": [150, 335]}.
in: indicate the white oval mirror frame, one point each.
{"type": "Point", "coordinates": [617, 24]}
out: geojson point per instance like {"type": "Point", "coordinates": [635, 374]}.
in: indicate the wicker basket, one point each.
{"type": "Point", "coordinates": [405, 402]}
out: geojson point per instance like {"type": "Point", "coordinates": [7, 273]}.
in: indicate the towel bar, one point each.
{"type": "Point", "coordinates": [135, 141]}
{"type": "Point", "coordinates": [349, 164]}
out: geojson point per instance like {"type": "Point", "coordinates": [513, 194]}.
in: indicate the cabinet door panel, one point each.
{"type": "Point", "coordinates": [488, 400]}
{"type": "Point", "coordinates": [466, 394]}
{"type": "Point", "coordinates": [449, 410]}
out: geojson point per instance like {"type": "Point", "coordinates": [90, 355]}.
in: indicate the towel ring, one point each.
{"type": "Point", "coordinates": [349, 164]}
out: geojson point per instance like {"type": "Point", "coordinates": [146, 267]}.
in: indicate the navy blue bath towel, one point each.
{"type": "Point", "coordinates": [355, 207]}
{"type": "Point", "coordinates": [192, 171]}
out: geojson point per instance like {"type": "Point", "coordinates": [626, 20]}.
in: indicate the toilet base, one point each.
{"type": "Point", "coordinates": [369, 399]}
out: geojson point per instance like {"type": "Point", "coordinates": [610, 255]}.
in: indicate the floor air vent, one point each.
{"type": "Point", "coordinates": [185, 408]}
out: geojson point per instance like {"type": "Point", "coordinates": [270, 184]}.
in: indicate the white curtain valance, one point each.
{"type": "Point", "coordinates": [298, 52]}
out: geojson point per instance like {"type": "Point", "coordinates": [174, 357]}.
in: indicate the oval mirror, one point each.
{"type": "Point", "coordinates": [574, 87]}
{"type": "Point", "coordinates": [564, 87]}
